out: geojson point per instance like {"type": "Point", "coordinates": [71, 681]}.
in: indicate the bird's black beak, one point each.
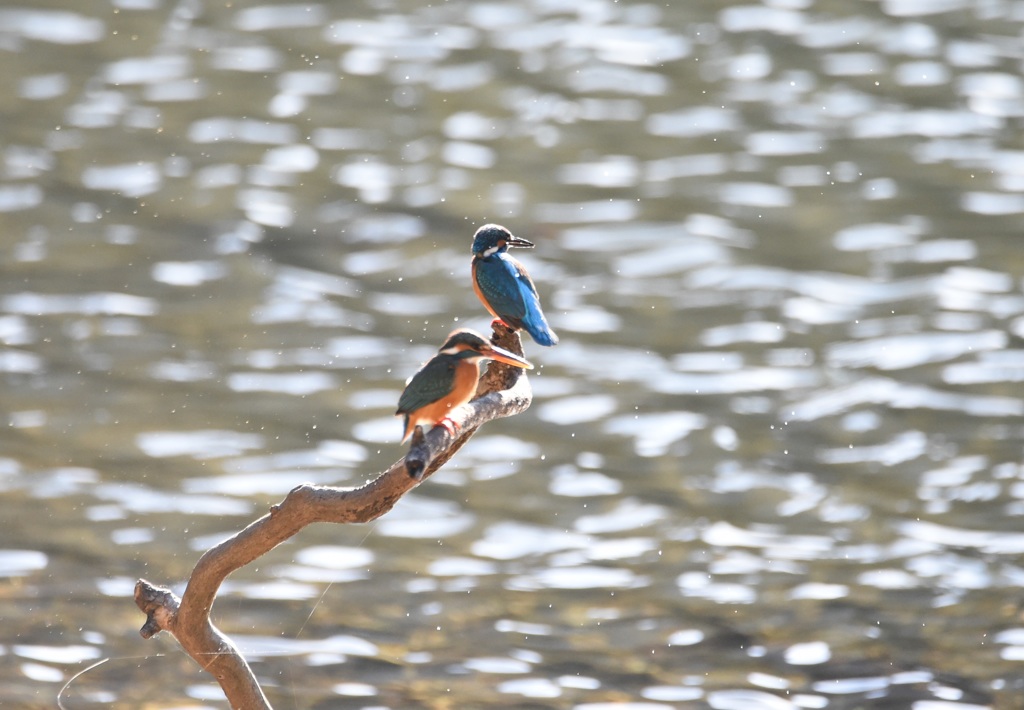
{"type": "Point", "coordinates": [519, 242]}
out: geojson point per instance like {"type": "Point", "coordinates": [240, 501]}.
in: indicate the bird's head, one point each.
{"type": "Point", "coordinates": [469, 345]}
{"type": "Point", "coordinates": [493, 238]}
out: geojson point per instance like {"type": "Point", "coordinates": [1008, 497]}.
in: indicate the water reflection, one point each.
{"type": "Point", "coordinates": [773, 463]}
{"type": "Point", "coordinates": [15, 563]}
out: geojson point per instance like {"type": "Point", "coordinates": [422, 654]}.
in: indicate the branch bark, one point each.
{"type": "Point", "coordinates": [503, 391]}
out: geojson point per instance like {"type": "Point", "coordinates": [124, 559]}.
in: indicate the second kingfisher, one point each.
{"type": "Point", "coordinates": [449, 379]}
{"type": "Point", "coordinates": [503, 285]}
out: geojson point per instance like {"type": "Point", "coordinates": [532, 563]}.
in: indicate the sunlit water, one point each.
{"type": "Point", "coordinates": [774, 463]}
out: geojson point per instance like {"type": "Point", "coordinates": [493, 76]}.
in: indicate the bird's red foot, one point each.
{"type": "Point", "coordinates": [498, 321]}
{"type": "Point", "coordinates": [450, 425]}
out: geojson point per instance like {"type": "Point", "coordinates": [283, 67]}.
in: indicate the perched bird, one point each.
{"type": "Point", "coordinates": [503, 285]}
{"type": "Point", "coordinates": [448, 380]}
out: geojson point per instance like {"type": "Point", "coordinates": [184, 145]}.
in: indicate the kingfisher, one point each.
{"type": "Point", "coordinates": [448, 380]}
{"type": "Point", "coordinates": [503, 285]}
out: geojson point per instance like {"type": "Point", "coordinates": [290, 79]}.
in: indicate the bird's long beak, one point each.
{"type": "Point", "coordinates": [502, 355]}
{"type": "Point", "coordinates": [514, 241]}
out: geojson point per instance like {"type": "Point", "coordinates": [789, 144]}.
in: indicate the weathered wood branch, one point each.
{"type": "Point", "coordinates": [503, 391]}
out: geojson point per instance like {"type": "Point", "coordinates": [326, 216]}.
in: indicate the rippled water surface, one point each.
{"type": "Point", "coordinates": [774, 463]}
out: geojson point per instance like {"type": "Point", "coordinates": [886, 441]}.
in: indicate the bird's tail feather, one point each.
{"type": "Point", "coordinates": [537, 326]}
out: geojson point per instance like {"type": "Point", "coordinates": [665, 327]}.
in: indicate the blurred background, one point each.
{"type": "Point", "coordinates": [774, 463]}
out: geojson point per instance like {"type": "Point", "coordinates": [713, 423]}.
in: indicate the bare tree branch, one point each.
{"type": "Point", "coordinates": [503, 391]}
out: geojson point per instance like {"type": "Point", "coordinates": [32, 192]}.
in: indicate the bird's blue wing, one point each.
{"type": "Point", "coordinates": [432, 382]}
{"type": "Point", "coordinates": [498, 280]}
{"type": "Point", "coordinates": [533, 317]}
{"type": "Point", "coordinates": [510, 294]}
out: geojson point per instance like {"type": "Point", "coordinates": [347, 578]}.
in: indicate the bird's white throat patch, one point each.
{"type": "Point", "coordinates": [491, 250]}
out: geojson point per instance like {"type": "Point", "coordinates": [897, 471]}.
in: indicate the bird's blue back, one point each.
{"type": "Point", "coordinates": [511, 295]}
